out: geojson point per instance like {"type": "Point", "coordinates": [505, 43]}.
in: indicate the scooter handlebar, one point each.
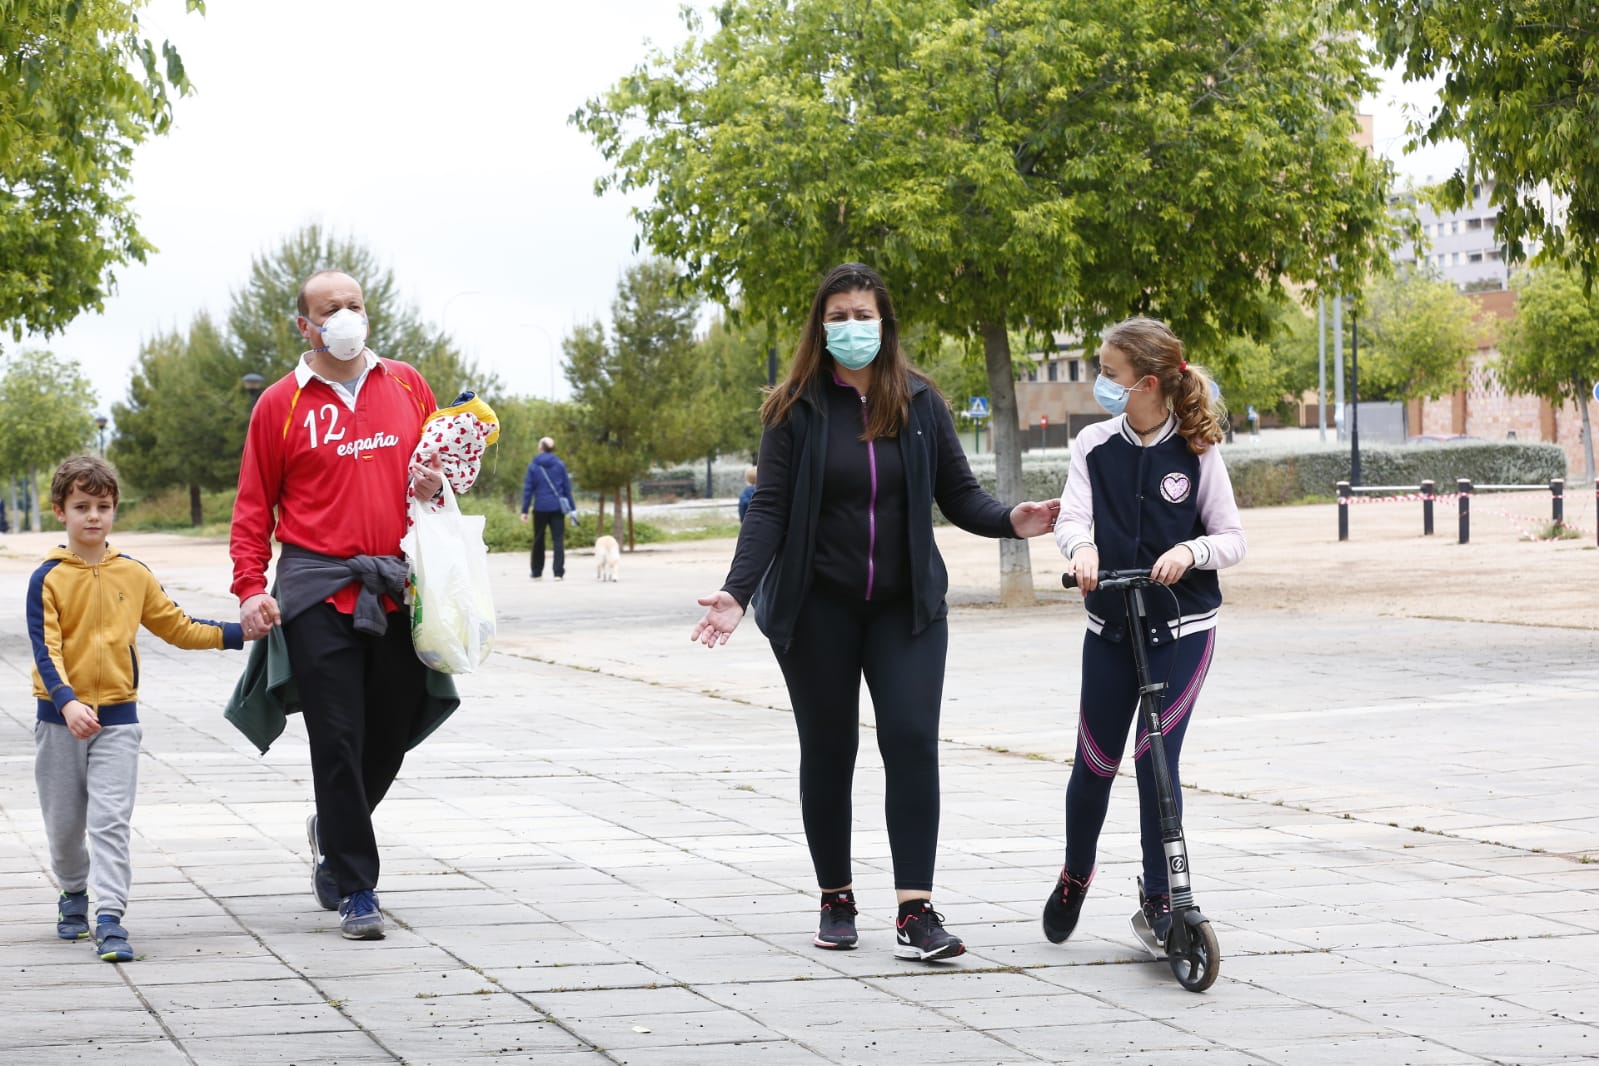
{"type": "Point", "coordinates": [1114, 579]}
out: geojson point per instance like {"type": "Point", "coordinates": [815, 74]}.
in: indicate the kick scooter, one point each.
{"type": "Point", "coordinates": [1191, 947]}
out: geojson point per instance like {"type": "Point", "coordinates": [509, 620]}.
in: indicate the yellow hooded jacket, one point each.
{"type": "Point", "coordinates": [83, 622]}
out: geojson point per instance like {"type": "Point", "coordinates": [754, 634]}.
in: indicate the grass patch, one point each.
{"type": "Point", "coordinates": [1553, 530]}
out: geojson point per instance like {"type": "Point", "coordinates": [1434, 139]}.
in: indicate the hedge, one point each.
{"type": "Point", "coordinates": [1270, 479]}
{"type": "Point", "coordinates": [1289, 477]}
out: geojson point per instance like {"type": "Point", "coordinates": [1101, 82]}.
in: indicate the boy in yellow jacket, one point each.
{"type": "Point", "coordinates": [85, 605]}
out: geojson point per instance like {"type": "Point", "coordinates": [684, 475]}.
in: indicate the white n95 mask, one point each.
{"type": "Point", "coordinates": [343, 334]}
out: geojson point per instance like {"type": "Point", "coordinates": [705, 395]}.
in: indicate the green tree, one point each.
{"type": "Point", "coordinates": [1517, 89]}
{"type": "Point", "coordinates": [80, 87]}
{"type": "Point", "coordinates": [1417, 336]}
{"type": "Point", "coordinates": [731, 366]}
{"type": "Point", "coordinates": [262, 316]}
{"type": "Point", "coordinates": [523, 420]}
{"type": "Point", "coordinates": [46, 414]}
{"type": "Point", "coordinates": [1249, 374]}
{"type": "Point", "coordinates": [186, 414]}
{"type": "Point", "coordinates": [634, 391]}
{"type": "Point", "coordinates": [1007, 164]}
{"type": "Point", "coordinates": [1550, 349]}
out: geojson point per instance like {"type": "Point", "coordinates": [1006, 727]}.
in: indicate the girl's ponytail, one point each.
{"type": "Point", "coordinates": [1198, 407]}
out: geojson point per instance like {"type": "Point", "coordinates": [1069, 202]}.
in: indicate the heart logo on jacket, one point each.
{"type": "Point", "coordinates": [1174, 488]}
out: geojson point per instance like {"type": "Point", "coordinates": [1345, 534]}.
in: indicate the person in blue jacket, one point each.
{"type": "Point", "coordinates": [747, 495]}
{"type": "Point", "coordinates": [549, 490]}
{"type": "Point", "coordinates": [838, 556]}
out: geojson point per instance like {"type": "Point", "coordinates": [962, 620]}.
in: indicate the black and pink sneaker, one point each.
{"type": "Point", "coordinates": [837, 928]}
{"type": "Point", "coordinates": [920, 934]}
{"type": "Point", "coordinates": [1064, 905]}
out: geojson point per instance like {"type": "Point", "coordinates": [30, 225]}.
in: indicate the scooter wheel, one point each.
{"type": "Point", "coordinates": [1196, 963]}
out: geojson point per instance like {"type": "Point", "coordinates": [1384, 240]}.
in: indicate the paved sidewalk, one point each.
{"type": "Point", "coordinates": [600, 860]}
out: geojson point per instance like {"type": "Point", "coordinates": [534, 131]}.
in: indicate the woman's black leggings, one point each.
{"type": "Point", "coordinates": [837, 641]}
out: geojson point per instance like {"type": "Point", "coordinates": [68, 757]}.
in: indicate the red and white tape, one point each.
{"type": "Point", "coordinates": [1409, 497]}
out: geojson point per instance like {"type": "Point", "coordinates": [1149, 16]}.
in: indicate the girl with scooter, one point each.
{"type": "Point", "coordinates": [1147, 489]}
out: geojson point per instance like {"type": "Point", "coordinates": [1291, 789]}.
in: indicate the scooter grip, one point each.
{"type": "Point", "coordinates": [1068, 580]}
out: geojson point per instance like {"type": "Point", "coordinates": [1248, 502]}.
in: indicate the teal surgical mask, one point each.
{"type": "Point", "coordinates": [854, 344]}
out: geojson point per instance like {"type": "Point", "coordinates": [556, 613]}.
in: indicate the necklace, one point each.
{"type": "Point", "coordinates": [1145, 432]}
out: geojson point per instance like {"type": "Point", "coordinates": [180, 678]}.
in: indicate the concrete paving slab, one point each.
{"type": "Point", "coordinates": [606, 839]}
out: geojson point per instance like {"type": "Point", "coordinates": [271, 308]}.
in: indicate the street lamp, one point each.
{"type": "Point", "coordinates": [100, 424]}
{"type": "Point", "coordinates": [253, 384]}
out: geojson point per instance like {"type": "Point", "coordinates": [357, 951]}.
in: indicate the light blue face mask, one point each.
{"type": "Point", "coordinates": [854, 344]}
{"type": "Point", "coordinates": [1111, 396]}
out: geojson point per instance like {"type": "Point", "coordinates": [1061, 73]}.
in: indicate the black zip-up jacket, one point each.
{"type": "Point", "coordinates": [773, 563]}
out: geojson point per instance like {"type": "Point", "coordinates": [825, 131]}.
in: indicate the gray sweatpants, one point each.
{"type": "Point", "coordinates": [87, 786]}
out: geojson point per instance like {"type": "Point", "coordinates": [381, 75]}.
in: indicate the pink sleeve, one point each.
{"type": "Point", "coordinates": [1075, 527]}
{"type": "Point", "coordinates": [1222, 544]}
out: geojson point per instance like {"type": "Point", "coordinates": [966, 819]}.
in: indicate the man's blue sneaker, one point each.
{"type": "Point", "coordinates": [359, 917]}
{"type": "Point", "coordinates": [322, 886]}
{"type": "Point", "coordinates": [72, 915]}
{"type": "Point", "coordinates": [111, 940]}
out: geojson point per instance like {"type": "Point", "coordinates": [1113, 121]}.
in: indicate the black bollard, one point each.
{"type": "Point", "coordinates": [1343, 510]}
{"type": "Point", "coordinates": [1428, 490]}
{"type": "Point", "coordinates": [1463, 486]}
{"type": "Point", "coordinates": [1557, 489]}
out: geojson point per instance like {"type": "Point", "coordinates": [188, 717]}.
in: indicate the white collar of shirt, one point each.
{"type": "Point", "coordinates": [346, 391]}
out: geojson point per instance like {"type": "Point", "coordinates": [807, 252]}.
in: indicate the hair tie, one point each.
{"type": "Point", "coordinates": [1181, 366]}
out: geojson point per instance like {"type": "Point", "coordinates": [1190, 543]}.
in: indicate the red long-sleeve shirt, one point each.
{"type": "Point", "coordinates": [323, 476]}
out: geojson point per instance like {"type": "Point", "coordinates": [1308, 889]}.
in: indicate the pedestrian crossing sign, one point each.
{"type": "Point", "coordinates": [978, 408]}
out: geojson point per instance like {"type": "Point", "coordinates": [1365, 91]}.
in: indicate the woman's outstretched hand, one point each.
{"type": "Point", "coordinates": [722, 616]}
{"type": "Point", "coordinates": [1034, 519]}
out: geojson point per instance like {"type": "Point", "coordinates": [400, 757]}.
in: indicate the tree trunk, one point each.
{"type": "Point", "coordinates": [195, 515]}
{"type": "Point", "coordinates": [1015, 561]}
{"type": "Point", "coordinates": [33, 500]}
{"type": "Point", "coordinates": [629, 516]}
{"type": "Point", "coordinates": [616, 513]}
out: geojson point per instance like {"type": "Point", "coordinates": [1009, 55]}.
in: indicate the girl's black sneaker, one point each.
{"type": "Point", "coordinates": [837, 928]}
{"type": "Point", "coordinates": [1157, 912]}
{"type": "Point", "coordinates": [1064, 905]}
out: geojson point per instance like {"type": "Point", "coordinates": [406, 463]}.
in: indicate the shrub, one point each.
{"type": "Point", "coordinates": [504, 530]}
{"type": "Point", "coordinates": [167, 510]}
{"type": "Point", "coordinates": [1272, 479]}
{"type": "Point", "coordinates": [1267, 480]}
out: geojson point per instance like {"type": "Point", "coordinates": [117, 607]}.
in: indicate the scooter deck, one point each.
{"type": "Point", "coordinates": [1146, 935]}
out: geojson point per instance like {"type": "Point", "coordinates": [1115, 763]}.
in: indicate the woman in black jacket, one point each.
{"type": "Point", "coordinates": [837, 554]}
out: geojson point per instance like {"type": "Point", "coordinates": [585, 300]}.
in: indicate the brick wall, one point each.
{"type": "Point", "coordinates": [1483, 409]}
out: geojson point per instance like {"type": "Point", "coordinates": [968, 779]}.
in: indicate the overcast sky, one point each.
{"type": "Point", "coordinates": [436, 134]}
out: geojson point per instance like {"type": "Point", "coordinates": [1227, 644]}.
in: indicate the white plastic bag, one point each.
{"type": "Point", "coordinates": [452, 606]}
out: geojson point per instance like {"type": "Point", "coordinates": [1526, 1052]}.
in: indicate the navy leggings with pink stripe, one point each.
{"type": "Point", "coordinates": [1109, 706]}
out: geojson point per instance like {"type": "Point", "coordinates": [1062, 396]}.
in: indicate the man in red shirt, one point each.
{"type": "Point", "coordinates": [327, 467]}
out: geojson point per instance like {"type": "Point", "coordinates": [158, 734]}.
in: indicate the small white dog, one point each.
{"type": "Point", "coordinates": [607, 553]}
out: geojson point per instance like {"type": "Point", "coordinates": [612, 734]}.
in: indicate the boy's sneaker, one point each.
{"type": "Point", "coordinates": [72, 915]}
{"type": "Point", "coordinates": [1157, 912]}
{"type": "Point", "coordinates": [921, 935]}
{"type": "Point", "coordinates": [111, 940]}
{"type": "Point", "coordinates": [359, 917]}
{"type": "Point", "coordinates": [837, 928]}
{"type": "Point", "coordinates": [1064, 905]}
{"type": "Point", "coordinates": [322, 886]}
